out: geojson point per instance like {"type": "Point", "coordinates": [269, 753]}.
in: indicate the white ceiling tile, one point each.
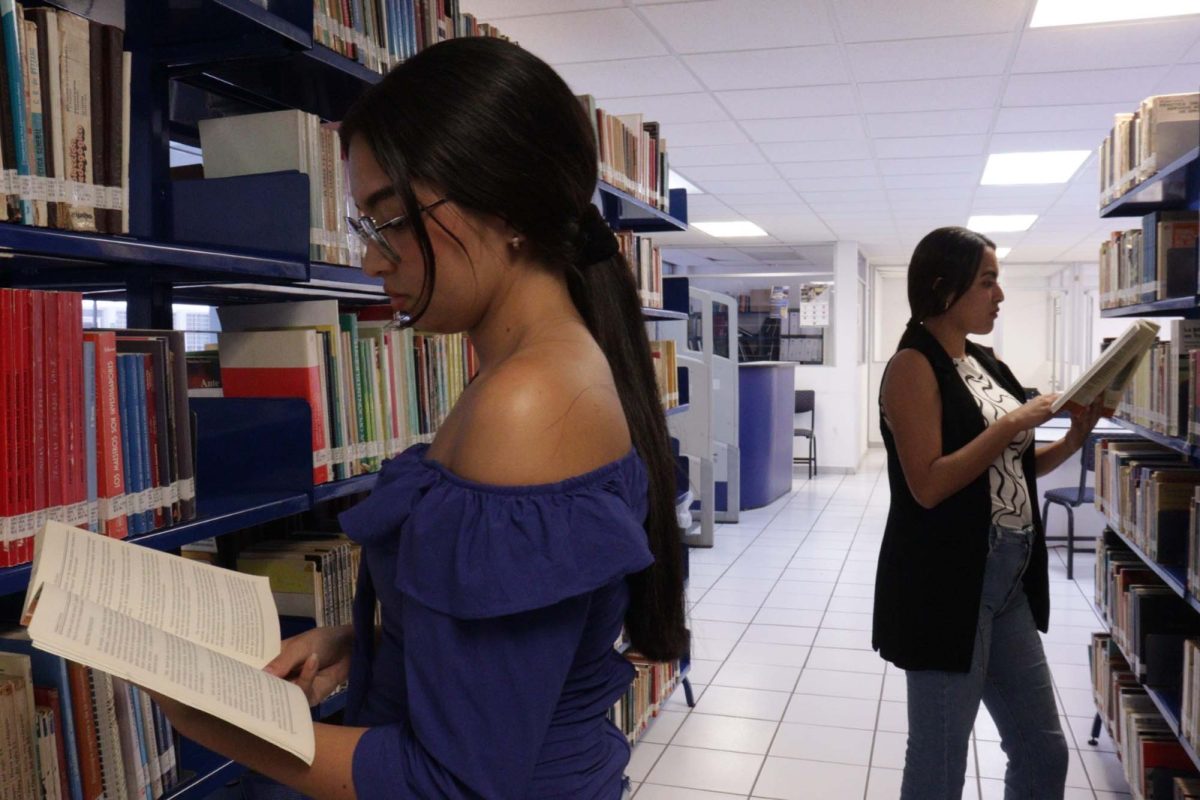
{"type": "Point", "coordinates": [1089, 86]}
{"type": "Point", "coordinates": [668, 108]}
{"type": "Point", "coordinates": [724, 189]}
{"type": "Point", "coordinates": [718, 154]}
{"type": "Point", "coordinates": [873, 21]}
{"type": "Point", "coordinates": [780, 152]}
{"type": "Point", "coordinates": [1133, 44]}
{"type": "Point", "coordinates": [1193, 54]}
{"type": "Point", "coordinates": [1028, 253]}
{"type": "Point", "coordinates": [920, 59]}
{"type": "Point", "coordinates": [927, 166]}
{"type": "Point", "coordinates": [805, 101]}
{"type": "Point", "coordinates": [1047, 140]}
{"type": "Point", "coordinates": [761, 69]}
{"type": "Point", "coordinates": [930, 123]}
{"type": "Point", "coordinates": [959, 179]}
{"type": "Point", "coordinates": [705, 207]}
{"type": "Point", "coordinates": [658, 75]}
{"type": "Point", "coordinates": [585, 36]}
{"type": "Point", "coordinates": [827, 169]}
{"type": "Point", "coordinates": [798, 209]}
{"type": "Point", "coordinates": [1093, 116]}
{"type": "Point", "coordinates": [699, 134]}
{"type": "Point", "coordinates": [1046, 192]}
{"type": "Point", "coordinates": [1180, 78]}
{"type": "Point", "coordinates": [843, 183]}
{"type": "Point", "coordinates": [804, 129]}
{"type": "Point", "coordinates": [938, 95]}
{"type": "Point", "coordinates": [929, 146]}
{"type": "Point", "coordinates": [942, 196]}
{"type": "Point", "coordinates": [717, 25]}
{"type": "Point", "coordinates": [488, 10]}
{"type": "Point", "coordinates": [728, 172]}
{"type": "Point", "coordinates": [740, 199]}
{"type": "Point", "coordinates": [831, 199]}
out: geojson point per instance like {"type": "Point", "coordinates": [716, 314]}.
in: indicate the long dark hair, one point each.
{"type": "Point", "coordinates": [496, 130]}
{"type": "Point", "coordinates": [942, 269]}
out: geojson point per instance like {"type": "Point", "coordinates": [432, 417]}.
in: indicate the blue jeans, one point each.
{"type": "Point", "coordinates": [1009, 673]}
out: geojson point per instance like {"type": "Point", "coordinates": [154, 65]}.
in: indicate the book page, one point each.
{"type": "Point", "coordinates": [1111, 370]}
{"type": "Point", "coordinates": [217, 608]}
{"type": "Point", "coordinates": [258, 702]}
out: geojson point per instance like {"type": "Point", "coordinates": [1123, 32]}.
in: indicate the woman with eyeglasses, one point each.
{"type": "Point", "coordinates": [506, 555]}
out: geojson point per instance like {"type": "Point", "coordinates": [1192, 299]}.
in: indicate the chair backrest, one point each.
{"type": "Point", "coordinates": [806, 400]}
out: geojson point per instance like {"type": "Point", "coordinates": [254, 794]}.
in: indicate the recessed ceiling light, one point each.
{"type": "Point", "coordinates": [1000, 223]}
{"type": "Point", "coordinates": [1053, 166]}
{"type": "Point", "coordinates": [1001, 252]}
{"type": "Point", "coordinates": [677, 181]}
{"type": "Point", "coordinates": [730, 230]}
{"type": "Point", "coordinates": [1050, 13]}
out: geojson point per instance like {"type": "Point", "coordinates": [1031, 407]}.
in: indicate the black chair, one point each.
{"type": "Point", "coordinates": [806, 403]}
{"type": "Point", "coordinates": [1071, 497]}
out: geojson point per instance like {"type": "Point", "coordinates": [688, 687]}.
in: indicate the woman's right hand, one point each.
{"type": "Point", "coordinates": [317, 661]}
{"type": "Point", "coordinates": [1032, 413]}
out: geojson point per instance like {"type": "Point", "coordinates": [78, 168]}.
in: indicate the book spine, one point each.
{"type": "Point", "coordinates": [148, 733]}
{"type": "Point", "coordinates": [183, 426]}
{"type": "Point", "coordinates": [34, 121]}
{"type": "Point", "coordinates": [86, 734]}
{"type": "Point", "coordinates": [112, 766]}
{"type": "Point", "coordinates": [24, 387]}
{"type": "Point", "coordinates": [113, 81]}
{"type": "Point", "coordinates": [75, 121]}
{"type": "Point", "coordinates": [140, 409]}
{"type": "Point", "coordinates": [156, 464]}
{"type": "Point", "coordinates": [99, 111]}
{"type": "Point", "coordinates": [12, 34]}
{"type": "Point", "coordinates": [90, 451]}
{"type": "Point", "coordinates": [72, 355]}
{"type": "Point", "coordinates": [131, 459]}
{"type": "Point", "coordinates": [111, 464]}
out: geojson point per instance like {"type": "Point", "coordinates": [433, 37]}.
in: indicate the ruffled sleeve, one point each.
{"type": "Point", "coordinates": [474, 551]}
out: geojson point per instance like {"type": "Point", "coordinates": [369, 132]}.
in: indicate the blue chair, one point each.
{"type": "Point", "coordinates": [806, 403]}
{"type": "Point", "coordinates": [1071, 497]}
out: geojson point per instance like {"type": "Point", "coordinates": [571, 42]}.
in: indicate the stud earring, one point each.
{"type": "Point", "coordinates": [515, 242]}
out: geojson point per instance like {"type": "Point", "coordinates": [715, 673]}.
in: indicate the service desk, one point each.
{"type": "Point", "coordinates": [766, 410]}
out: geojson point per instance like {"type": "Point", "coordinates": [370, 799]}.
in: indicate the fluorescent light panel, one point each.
{"type": "Point", "coordinates": [1052, 166]}
{"type": "Point", "coordinates": [730, 230]}
{"type": "Point", "coordinates": [1000, 223]}
{"type": "Point", "coordinates": [677, 181]}
{"type": "Point", "coordinates": [1050, 13]}
{"type": "Point", "coordinates": [1001, 252]}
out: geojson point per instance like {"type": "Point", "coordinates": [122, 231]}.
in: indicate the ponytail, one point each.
{"type": "Point", "coordinates": [605, 294]}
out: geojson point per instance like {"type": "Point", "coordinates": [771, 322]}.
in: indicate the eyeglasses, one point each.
{"type": "Point", "coordinates": [371, 232]}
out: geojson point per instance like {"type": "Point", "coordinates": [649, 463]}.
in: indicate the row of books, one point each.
{"type": "Point", "coordinates": [64, 121]}
{"type": "Point", "coordinates": [382, 33]}
{"type": "Point", "coordinates": [645, 259]}
{"type": "Point", "coordinates": [373, 390]}
{"type": "Point", "coordinates": [666, 371]}
{"type": "Point", "coordinates": [1161, 392]}
{"type": "Point", "coordinates": [651, 687]}
{"type": "Point", "coordinates": [69, 732]}
{"type": "Point", "coordinates": [94, 425]}
{"type": "Point", "coordinates": [1160, 130]}
{"type": "Point", "coordinates": [1154, 262]}
{"type": "Point", "coordinates": [290, 140]}
{"type": "Point", "coordinates": [632, 153]}
{"type": "Point", "coordinates": [313, 576]}
{"type": "Point", "coordinates": [1156, 764]}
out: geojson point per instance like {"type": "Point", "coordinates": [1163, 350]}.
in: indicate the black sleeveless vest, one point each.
{"type": "Point", "coordinates": [931, 562]}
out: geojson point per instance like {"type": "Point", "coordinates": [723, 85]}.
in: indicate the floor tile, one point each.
{"type": "Point", "coordinates": [784, 655]}
{"type": "Point", "coordinates": [651, 791]}
{"type": "Point", "coordinates": [663, 727]}
{"type": "Point", "coordinates": [712, 770]}
{"type": "Point", "coordinates": [732, 701]}
{"type": "Point", "coordinates": [793, 779]}
{"type": "Point", "coordinates": [814, 743]}
{"type": "Point", "coordinates": [770, 677]}
{"type": "Point", "coordinates": [846, 660]}
{"type": "Point", "coordinates": [735, 734]}
{"type": "Point", "coordinates": [836, 712]}
{"type": "Point", "coordinates": [779, 634]}
{"type": "Point", "coordinates": [838, 684]}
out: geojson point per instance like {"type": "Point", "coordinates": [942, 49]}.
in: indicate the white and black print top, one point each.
{"type": "Point", "coordinates": [1010, 494]}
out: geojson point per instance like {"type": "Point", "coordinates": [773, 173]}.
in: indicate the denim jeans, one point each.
{"type": "Point", "coordinates": [1009, 673]}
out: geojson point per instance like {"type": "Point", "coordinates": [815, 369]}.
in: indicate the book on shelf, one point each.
{"type": "Point", "coordinates": [1107, 377]}
{"type": "Point", "coordinates": [645, 261]}
{"type": "Point", "coordinates": [1161, 130]}
{"type": "Point", "coordinates": [288, 140]}
{"type": "Point", "coordinates": [632, 153]}
{"type": "Point", "coordinates": [196, 633]}
{"type": "Point", "coordinates": [313, 576]}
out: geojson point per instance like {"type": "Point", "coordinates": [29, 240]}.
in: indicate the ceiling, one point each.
{"type": "Point", "coordinates": [862, 120]}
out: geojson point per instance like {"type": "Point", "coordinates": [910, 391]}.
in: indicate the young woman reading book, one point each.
{"type": "Point", "coordinates": [506, 555]}
{"type": "Point", "coordinates": [962, 587]}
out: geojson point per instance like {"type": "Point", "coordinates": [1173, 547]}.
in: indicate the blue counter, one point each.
{"type": "Point", "coordinates": [766, 408]}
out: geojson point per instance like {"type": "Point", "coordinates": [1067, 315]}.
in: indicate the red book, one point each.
{"type": "Point", "coordinates": [24, 447]}
{"type": "Point", "coordinates": [70, 344]}
{"type": "Point", "coordinates": [279, 364]}
{"type": "Point", "coordinates": [54, 414]}
{"type": "Point", "coordinates": [87, 742]}
{"type": "Point", "coordinates": [37, 334]}
{"type": "Point", "coordinates": [48, 698]}
{"type": "Point", "coordinates": [8, 422]}
{"type": "Point", "coordinates": [110, 471]}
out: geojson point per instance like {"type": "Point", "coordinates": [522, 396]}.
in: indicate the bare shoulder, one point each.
{"type": "Point", "coordinates": [540, 417]}
{"type": "Point", "coordinates": [909, 381]}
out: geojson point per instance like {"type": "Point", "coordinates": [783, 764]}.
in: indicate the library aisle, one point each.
{"type": "Point", "coordinates": [792, 703]}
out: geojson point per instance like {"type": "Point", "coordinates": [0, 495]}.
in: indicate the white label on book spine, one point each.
{"type": "Point", "coordinates": [187, 489]}
{"type": "Point", "coordinates": [93, 512]}
{"type": "Point", "coordinates": [174, 493]}
{"type": "Point", "coordinates": [339, 455]}
{"type": "Point", "coordinates": [321, 458]}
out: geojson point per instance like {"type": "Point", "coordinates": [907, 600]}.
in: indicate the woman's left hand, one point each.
{"type": "Point", "coordinates": [1083, 421]}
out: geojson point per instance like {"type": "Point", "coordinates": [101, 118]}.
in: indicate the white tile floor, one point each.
{"type": "Point", "coordinates": [792, 703]}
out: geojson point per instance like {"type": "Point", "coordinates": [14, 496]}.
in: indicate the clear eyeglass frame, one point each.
{"type": "Point", "coordinates": [370, 232]}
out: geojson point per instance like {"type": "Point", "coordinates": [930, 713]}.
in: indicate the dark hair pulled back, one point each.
{"type": "Point", "coordinates": [942, 269]}
{"type": "Point", "coordinates": [494, 129]}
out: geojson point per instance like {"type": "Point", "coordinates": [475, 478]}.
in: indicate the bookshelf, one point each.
{"type": "Point", "coordinates": [1177, 185]}
{"type": "Point", "coordinates": [189, 240]}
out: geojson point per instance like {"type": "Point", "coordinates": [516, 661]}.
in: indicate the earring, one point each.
{"type": "Point", "coordinates": [515, 242]}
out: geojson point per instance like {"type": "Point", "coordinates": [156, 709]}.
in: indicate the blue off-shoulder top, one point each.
{"type": "Point", "coordinates": [495, 667]}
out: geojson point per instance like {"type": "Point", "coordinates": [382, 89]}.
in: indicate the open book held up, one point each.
{"type": "Point", "coordinates": [187, 630]}
{"type": "Point", "coordinates": [1110, 373]}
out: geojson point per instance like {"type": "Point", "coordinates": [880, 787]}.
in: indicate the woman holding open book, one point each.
{"type": "Point", "coordinates": [962, 587]}
{"type": "Point", "coordinates": [507, 555]}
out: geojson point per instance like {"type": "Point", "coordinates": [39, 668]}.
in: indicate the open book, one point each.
{"type": "Point", "coordinates": [188, 630]}
{"type": "Point", "coordinates": [1110, 373]}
